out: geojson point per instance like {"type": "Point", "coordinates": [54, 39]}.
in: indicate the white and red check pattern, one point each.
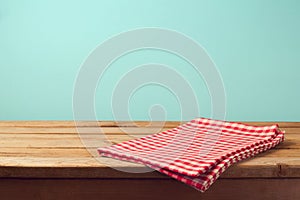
{"type": "Point", "coordinates": [197, 152]}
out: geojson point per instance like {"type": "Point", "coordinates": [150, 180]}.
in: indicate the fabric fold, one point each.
{"type": "Point", "coordinates": [197, 152]}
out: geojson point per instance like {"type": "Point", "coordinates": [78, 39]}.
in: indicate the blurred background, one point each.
{"type": "Point", "coordinates": [254, 44]}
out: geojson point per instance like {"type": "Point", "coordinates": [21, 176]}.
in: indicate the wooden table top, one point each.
{"type": "Point", "coordinates": [53, 149]}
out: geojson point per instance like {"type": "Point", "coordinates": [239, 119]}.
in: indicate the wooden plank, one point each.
{"type": "Point", "coordinates": [37, 167]}
{"type": "Point", "coordinates": [88, 130]}
{"type": "Point", "coordinates": [169, 124]}
{"type": "Point", "coordinates": [64, 162]}
{"type": "Point", "coordinates": [147, 189]}
{"type": "Point", "coordinates": [36, 151]}
{"type": "Point", "coordinates": [97, 130]}
{"type": "Point", "coordinates": [281, 124]}
{"type": "Point", "coordinates": [44, 152]}
{"type": "Point", "coordinates": [265, 167]}
{"type": "Point", "coordinates": [292, 141]}
{"type": "Point", "coordinates": [60, 124]}
{"type": "Point", "coordinates": [82, 152]}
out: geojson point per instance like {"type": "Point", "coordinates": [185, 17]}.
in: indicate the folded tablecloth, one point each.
{"type": "Point", "coordinates": [197, 152]}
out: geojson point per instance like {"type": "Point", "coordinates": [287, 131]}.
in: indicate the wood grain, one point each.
{"type": "Point", "coordinates": [48, 160]}
{"type": "Point", "coordinates": [292, 141]}
{"type": "Point", "coordinates": [60, 147]}
{"type": "Point", "coordinates": [99, 130]}
{"type": "Point", "coordinates": [169, 124]}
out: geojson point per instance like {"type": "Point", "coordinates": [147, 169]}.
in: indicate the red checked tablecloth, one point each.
{"type": "Point", "coordinates": [197, 152]}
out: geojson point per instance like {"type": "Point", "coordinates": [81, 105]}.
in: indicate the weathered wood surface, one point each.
{"type": "Point", "coordinates": [42, 159]}
{"type": "Point", "coordinates": [42, 148]}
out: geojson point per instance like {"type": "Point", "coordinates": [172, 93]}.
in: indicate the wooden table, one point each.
{"type": "Point", "coordinates": [47, 160]}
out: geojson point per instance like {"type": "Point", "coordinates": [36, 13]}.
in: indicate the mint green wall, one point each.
{"type": "Point", "coordinates": [255, 45]}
